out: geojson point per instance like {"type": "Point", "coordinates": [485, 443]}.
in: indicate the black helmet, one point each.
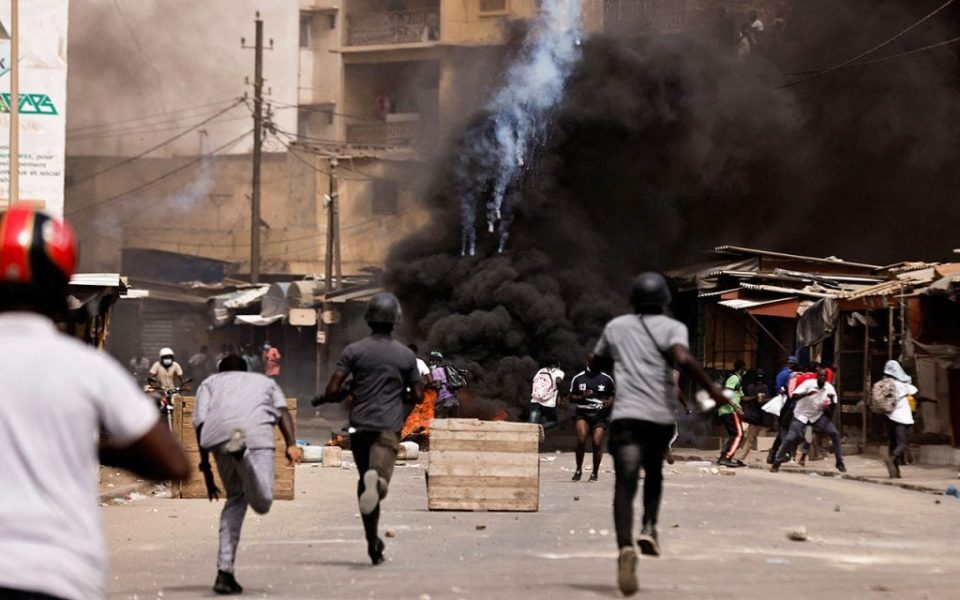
{"type": "Point", "coordinates": [383, 308]}
{"type": "Point", "coordinates": [650, 290]}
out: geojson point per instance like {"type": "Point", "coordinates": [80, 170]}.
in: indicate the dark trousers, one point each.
{"type": "Point", "coordinates": [797, 428]}
{"type": "Point", "coordinates": [546, 415]}
{"type": "Point", "coordinates": [734, 426]}
{"type": "Point", "coordinates": [446, 412]}
{"type": "Point", "coordinates": [636, 444]}
{"type": "Point", "coordinates": [375, 450]}
{"type": "Point", "coordinates": [897, 433]}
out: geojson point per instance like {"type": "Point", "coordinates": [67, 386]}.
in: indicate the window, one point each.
{"type": "Point", "coordinates": [305, 22]}
{"type": "Point", "coordinates": [493, 7]}
{"type": "Point", "coordinates": [385, 197]}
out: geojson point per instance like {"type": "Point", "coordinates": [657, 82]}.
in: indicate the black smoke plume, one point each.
{"type": "Point", "coordinates": [667, 146]}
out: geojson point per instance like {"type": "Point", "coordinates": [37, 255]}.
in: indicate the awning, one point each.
{"type": "Point", "coordinates": [818, 322]}
{"type": "Point", "coordinates": [257, 320]}
{"type": "Point", "coordinates": [243, 298]}
{"type": "Point", "coordinates": [275, 301]}
{"type": "Point", "coordinates": [779, 307]}
{"type": "Point", "coordinates": [222, 306]}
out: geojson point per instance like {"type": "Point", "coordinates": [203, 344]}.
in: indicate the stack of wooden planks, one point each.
{"type": "Point", "coordinates": [194, 487]}
{"type": "Point", "coordinates": [483, 465]}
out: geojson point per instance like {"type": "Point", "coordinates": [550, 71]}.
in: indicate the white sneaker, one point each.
{"type": "Point", "coordinates": [371, 495]}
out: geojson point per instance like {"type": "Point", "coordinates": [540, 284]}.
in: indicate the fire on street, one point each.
{"type": "Point", "coordinates": [723, 537]}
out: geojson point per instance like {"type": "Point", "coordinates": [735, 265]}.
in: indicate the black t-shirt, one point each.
{"type": "Point", "coordinates": [381, 367]}
{"type": "Point", "coordinates": [600, 383]}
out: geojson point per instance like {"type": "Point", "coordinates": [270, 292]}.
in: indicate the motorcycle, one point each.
{"type": "Point", "coordinates": [164, 397]}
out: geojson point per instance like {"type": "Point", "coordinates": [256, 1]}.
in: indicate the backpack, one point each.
{"type": "Point", "coordinates": [884, 396]}
{"type": "Point", "coordinates": [455, 378]}
{"type": "Point", "coordinates": [543, 386]}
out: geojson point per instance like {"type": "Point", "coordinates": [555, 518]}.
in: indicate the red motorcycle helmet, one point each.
{"type": "Point", "coordinates": [38, 255]}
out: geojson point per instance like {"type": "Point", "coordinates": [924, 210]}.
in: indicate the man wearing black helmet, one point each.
{"type": "Point", "coordinates": [59, 396]}
{"type": "Point", "coordinates": [382, 369]}
{"type": "Point", "coordinates": [645, 347]}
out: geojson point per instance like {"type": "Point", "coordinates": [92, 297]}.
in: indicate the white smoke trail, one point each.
{"type": "Point", "coordinates": [519, 110]}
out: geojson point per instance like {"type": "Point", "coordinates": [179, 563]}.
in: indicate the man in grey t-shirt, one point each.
{"type": "Point", "coordinates": [234, 418]}
{"type": "Point", "coordinates": [383, 369]}
{"type": "Point", "coordinates": [644, 346]}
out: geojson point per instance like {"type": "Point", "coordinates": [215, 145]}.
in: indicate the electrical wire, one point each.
{"type": "Point", "coordinates": [168, 118]}
{"type": "Point", "coordinates": [881, 59]}
{"type": "Point", "coordinates": [162, 177]}
{"type": "Point", "coordinates": [139, 131]}
{"type": "Point", "coordinates": [851, 61]}
{"type": "Point", "coordinates": [129, 160]}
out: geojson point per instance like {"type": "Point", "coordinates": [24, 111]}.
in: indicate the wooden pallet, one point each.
{"type": "Point", "coordinates": [483, 465]}
{"type": "Point", "coordinates": [194, 487]}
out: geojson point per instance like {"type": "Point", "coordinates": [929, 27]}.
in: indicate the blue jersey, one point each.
{"type": "Point", "coordinates": [599, 382]}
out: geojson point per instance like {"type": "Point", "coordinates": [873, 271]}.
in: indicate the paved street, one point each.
{"type": "Point", "coordinates": [724, 536]}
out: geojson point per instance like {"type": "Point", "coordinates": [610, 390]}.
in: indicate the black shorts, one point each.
{"type": "Point", "coordinates": [594, 419]}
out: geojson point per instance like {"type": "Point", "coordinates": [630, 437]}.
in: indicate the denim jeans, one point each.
{"type": "Point", "coordinates": [545, 415]}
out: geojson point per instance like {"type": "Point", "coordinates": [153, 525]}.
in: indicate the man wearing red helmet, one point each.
{"type": "Point", "coordinates": [58, 396]}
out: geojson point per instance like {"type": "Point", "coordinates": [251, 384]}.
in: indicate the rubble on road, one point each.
{"type": "Point", "coordinates": [797, 534]}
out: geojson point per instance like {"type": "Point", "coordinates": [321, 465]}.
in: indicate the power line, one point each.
{"type": "Point", "coordinates": [162, 177]}
{"type": "Point", "coordinates": [325, 111]}
{"type": "Point", "coordinates": [156, 147]}
{"type": "Point", "coordinates": [83, 128]}
{"type": "Point", "coordinates": [856, 58]}
{"type": "Point", "coordinates": [140, 131]}
{"type": "Point", "coordinates": [881, 59]}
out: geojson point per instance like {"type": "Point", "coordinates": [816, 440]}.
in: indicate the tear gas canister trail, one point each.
{"type": "Point", "coordinates": [519, 111]}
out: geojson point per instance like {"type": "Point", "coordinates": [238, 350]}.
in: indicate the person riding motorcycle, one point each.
{"type": "Point", "coordinates": [166, 381]}
{"type": "Point", "coordinates": [167, 372]}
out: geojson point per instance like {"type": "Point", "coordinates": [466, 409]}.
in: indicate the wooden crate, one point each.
{"type": "Point", "coordinates": [194, 487]}
{"type": "Point", "coordinates": [483, 465]}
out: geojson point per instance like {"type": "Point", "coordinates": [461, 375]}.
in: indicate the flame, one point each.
{"type": "Point", "coordinates": [337, 439]}
{"type": "Point", "coordinates": [419, 420]}
{"type": "Point", "coordinates": [500, 416]}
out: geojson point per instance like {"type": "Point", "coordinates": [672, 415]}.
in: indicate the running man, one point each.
{"type": "Point", "coordinates": [813, 397]}
{"type": "Point", "coordinates": [592, 391]}
{"type": "Point", "coordinates": [234, 418]}
{"type": "Point", "coordinates": [645, 346]}
{"type": "Point", "coordinates": [900, 419]}
{"type": "Point", "coordinates": [382, 370]}
{"type": "Point", "coordinates": [731, 417]}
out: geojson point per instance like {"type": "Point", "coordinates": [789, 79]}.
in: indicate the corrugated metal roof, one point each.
{"type": "Point", "coordinates": [741, 304]}
{"type": "Point", "coordinates": [740, 251]}
{"type": "Point", "coordinates": [96, 279]}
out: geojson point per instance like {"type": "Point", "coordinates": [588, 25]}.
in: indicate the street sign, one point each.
{"type": "Point", "coordinates": [42, 102]}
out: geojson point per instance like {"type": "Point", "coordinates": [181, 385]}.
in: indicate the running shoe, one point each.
{"type": "Point", "coordinates": [627, 571]}
{"type": "Point", "coordinates": [371, 495]}
{"type": "Point", "coordinates": [648, 541]}
{"type": "Point", "coordinates": [226, 584]}
{"type": "Point", "coordinates": [593, 476]}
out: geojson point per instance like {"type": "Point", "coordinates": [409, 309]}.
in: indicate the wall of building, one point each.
{"type": "Point", "coordinates": [141, 72]}
{"type": "Point", "coordinates": [203, 209]}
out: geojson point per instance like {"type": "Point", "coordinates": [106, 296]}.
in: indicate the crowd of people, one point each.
{"type": "Point", "coordinates": [51, 540]}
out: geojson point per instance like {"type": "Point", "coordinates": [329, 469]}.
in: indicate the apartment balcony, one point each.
{"type": "Point", "coordinates": [389, 28]}
{"type": "Point", "coordinates": [399, 130]}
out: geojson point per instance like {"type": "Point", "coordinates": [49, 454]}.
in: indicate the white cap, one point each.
{"type": "Point", "coordinates": [165, 352]}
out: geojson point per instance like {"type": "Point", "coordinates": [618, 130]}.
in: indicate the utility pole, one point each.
{"type": "Point", "coordinates": [255, 220]}
{"type": "Point", "coordinates": [333, 229]}
{"type": "Point", "coordinates": [14, 161]}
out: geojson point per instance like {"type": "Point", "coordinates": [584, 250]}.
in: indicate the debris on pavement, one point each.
{"type": "Point", "coordinates": [952, 491]}
{"type": "Point", "coordinates": [797, 534]}
{"type": "Point", "coordinates": [390, 533]}
{"type": "Point", "coordinates": [481, 527]}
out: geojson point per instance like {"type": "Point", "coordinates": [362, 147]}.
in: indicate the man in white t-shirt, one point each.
{"type": "Point", "coordinates": [422, 368]}
{"type": "Point", "coordinates": [58, 395]}
{"type": "Point", "coordinates": [813, 396]}
{"type": "Point", "coordinates": [543, 394]}
{"type": "Point", "coordinates": [900, 419]}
